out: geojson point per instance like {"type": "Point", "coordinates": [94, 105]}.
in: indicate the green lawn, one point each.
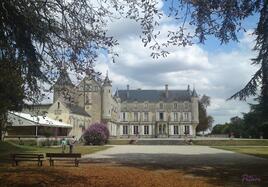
{"type": "Point", "coordinates": [6, 148]}
{"type": "Point", "coordinates": [232, 142]}
{"type": "Point", "coordinates": [260, 151]}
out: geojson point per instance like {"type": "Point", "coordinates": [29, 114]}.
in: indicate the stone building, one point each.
{"type": "Point", "coordinates": [128, 113]}
{"type": "Point", "coordinates": [158, 113]}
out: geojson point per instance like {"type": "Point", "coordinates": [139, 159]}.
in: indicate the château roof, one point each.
{"type": "Point", "coordinates": [64, 79]}
{"type": "Point", "coordinates": [154, 95]}
{"type": "Point", "coordinates": [107, 81]}
{"type": "Point", "coordinates": [75, 109]}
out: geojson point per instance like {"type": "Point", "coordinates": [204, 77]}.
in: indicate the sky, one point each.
{"type": "Point", "coordinates": [213, 69]}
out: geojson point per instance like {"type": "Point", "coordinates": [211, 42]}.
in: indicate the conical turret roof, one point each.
{"type": "Point", "coordinates": [107, 81]}
{"type": "Point", "coordinates": [64, 79]}
{"type": "Point", "coordinates": [194, 94]}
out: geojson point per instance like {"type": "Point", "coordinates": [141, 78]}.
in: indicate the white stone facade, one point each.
{"type": "Point", "coordinates": [128, 113]}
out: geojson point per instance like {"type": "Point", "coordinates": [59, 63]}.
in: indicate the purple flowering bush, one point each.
{"type": "Point", "coordinates": [96, 134]}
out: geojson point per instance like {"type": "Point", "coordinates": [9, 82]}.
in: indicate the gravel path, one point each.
{"type": "Point", "coordinates": [171, 156]}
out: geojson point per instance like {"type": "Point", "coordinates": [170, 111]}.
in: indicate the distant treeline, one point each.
{"type": "Point", "coordinates": [247, 127]}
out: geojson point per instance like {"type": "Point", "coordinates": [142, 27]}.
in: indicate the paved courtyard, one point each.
{"type": "Point", "coordinates": [172, 156]}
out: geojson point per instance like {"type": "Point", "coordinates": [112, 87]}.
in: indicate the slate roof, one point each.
{"type": "Point", "coordinates": [64, 79]}
{"type": "Point", "coordinates": [194, 94]}
{"type": "Point", "coordinates": [154, 95]}
{"type": "Point", "coordinates": [76, 109]}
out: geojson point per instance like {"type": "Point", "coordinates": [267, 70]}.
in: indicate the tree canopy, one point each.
{"type": "Point", "coordinates": [205, 120]}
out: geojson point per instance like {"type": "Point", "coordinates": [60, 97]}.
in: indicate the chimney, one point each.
{"type": "Point", "coordinates": [127, 91]}
{"type": "Point", "coordinates": [166, 90]}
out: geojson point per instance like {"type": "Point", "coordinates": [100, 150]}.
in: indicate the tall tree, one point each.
{"type": "Point", "coordinates": [40, 36]}
{"type": "Point", "coordinates": [12, 92]}
{"type": "Point", "coordinates": [205, 121]}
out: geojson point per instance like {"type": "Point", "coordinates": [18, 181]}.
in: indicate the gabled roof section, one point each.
{"type": "Point", "coordinates": [154, 95]}
{"type": "Point", "coordinates": [194, 94]}
{"type": "Point", "coordinates": [64, 79]}
{"type": "Point", "coordinates": [76, 109]}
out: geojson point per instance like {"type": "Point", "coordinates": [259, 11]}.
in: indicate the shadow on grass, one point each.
{"type": "Point", "coordinates": [37, 176]}
{"type": "Point", "coordinates": [223, 169]}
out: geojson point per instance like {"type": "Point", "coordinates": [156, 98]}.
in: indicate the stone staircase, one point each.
{"type": "Point", "coordinates": [161, 142]}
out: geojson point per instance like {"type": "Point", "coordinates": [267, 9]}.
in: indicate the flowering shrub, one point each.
{"type": "Point", "coordinates": [96, 134]}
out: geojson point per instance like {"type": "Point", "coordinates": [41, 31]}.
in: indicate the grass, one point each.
{"type": "Point", "coordinates": [118, 142]}
{"type": "Point", "coordinates": [259, 151]}
{"type": "Point", "coordinates": [233, 142]}
{"type": "Point", "coordinates": [6, 148]}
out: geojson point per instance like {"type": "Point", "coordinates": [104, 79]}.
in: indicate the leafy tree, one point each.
{"type": "Point", "coordinates": [40, 37]}
{"type": "Point", "coordinates": [12, 93]}
{"type": "Point", "coordinates": [220, 129]}
{"type": "Point", "coordinates": [205, 121]}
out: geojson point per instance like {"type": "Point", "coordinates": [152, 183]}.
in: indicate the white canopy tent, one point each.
{"type": "Point", "coordinates": [19, 119]}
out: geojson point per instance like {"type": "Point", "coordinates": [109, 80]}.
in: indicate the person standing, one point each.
{"type": "Point", "coordinates": [63, 145]}
{"type": "Point", "coordinates": [71, 144]}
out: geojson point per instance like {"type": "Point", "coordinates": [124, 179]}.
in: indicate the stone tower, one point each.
{"type": "Point", "coordinates": [63, 88]}
{"type": "Point", "coordinates": [195, 113]}
{"type": "Point", "coordinates": [107, 99]}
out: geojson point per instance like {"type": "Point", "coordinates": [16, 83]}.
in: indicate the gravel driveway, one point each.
{"type": "Point", "coordinates": [171, 156]}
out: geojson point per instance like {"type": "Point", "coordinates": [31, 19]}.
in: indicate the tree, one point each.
{"type": "Point", "coordinates": [12, 93]}
{"type": "Point", "coordinates": [205, 121]}
{"type": "Point", "coordinates": [40, 37]}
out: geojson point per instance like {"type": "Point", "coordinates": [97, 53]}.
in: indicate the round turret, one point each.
{"type": "Point", "coordinates": [106, 99]}
{"type": "Point", "coordinates": [195, 113]}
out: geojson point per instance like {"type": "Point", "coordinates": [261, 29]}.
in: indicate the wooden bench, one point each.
{"type": "Point", "coordinates": [16, 158]}
{"type": "Point", "coordinates": [63, 157]}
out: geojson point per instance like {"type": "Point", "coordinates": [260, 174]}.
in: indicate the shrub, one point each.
{"type": "Point", "coordinates": [96, 134]}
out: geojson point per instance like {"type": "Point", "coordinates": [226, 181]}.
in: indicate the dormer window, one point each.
{"type": "Point", "coordinates": [146, 105]}
{"type": "Point", "coordinates": [58, 105]}
{"type": "Point", "coordinates": [161, 105]}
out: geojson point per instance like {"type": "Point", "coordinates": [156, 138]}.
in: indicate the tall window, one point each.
{"type": "Point", "coordinates": [175, 106]}
{"type": "Point", "coordinates": [161, 116]}
{"type": "Point", "coordinates": [175, 116]}
{"type": "Point", "coordinates": [186, 106]}
{"type": "Point", "coordinates": [146, 118]}
{"type": "Point", "coordinates": [136, 129]}
{"type": "Point", "coordinates": [125, 129]}
{"type": "Point", "coordinates": [176, 129]}
{"type": "Point", "coordinates": [136, 115]}
{"type": "Point", "coordinates": [124, 116]}
{"type": "Point", "coordinates": [161, 105]}
{"type": "Point", "coordinates": [186, 129]}
{"type": "Point", "coordinates": [146, 129]}
{"type": "Point", "coordinates": [186, 116]}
